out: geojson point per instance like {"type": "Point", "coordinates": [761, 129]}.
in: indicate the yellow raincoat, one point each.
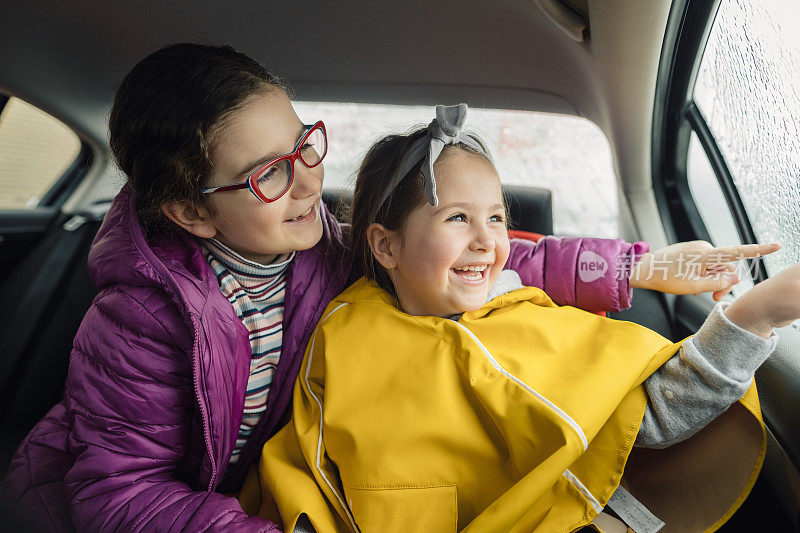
{"type": "Point", "coordinates": [521, 416]}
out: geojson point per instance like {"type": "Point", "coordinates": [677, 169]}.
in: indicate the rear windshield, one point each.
{"type": "Point", "coordinates": [566, 154]}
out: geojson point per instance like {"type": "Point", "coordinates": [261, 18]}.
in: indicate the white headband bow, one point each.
{"type": "Point", "coordinates": [444, 130]}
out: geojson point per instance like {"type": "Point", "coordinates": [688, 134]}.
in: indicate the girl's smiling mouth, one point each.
{"type": "Point", "coordinates": [472, 273]}
{"type": "Point", "coordinates": [307, 216]}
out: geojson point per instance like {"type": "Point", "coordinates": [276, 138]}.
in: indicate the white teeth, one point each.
{"type": "Point", "coordinates": [472, 273]}
{"type": "Point", "coordinates": [298, 217]}
{"type": "Point", "coordinates": [473, 268]}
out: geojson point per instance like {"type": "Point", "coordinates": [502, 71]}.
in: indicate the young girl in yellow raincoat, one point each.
{"type": "Point", "coordinates": [438, 394]}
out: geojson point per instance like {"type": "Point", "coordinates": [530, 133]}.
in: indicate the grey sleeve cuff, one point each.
{"type": "Point", "coordinates": [712, 370]}
{"type": "Point", "coordinates": [734, 352]}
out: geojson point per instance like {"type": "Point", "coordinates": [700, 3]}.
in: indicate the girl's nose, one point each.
{"type": "Point", "coordinates": [482, 239]}
{"type": "Point", "coordinates": [307, 181]}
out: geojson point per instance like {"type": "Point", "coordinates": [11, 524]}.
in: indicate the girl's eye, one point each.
{"type": "Point", "coordinates": [268, 174]}
{"type": "Point", "coordinates": [497, 218]}
{"type": "Point", "coordinates": [460, 217]}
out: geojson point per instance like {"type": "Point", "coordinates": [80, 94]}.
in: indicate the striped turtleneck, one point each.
{"type": "Point", "coordinates": [257, 293]}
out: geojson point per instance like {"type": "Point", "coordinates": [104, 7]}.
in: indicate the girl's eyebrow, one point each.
{"type": "Point", "coordinates": [467, 205]}
{"type": "Point", "coordinates": [272, 155]}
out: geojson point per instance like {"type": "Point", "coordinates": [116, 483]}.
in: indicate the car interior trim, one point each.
{"type": "Point", "coordinates": [687, 32]}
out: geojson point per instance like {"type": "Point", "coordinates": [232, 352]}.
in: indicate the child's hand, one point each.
{"type": "Point", "coordinates": [773, 303]}
{"type": "Point", "coordinates": [694, 267]}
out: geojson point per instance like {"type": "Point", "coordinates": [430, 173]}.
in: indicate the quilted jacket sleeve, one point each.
{"type": "Point", "coordinates": [130, 394]}
{"type": "Point", "coordinates": [589, 273]}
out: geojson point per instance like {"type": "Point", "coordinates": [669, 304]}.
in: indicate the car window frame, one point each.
{"type": "Point", "coordinates": [675, 117]}
{"type": "Point", "coordinates": [674, 121]}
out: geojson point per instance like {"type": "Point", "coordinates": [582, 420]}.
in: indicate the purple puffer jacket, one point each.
{"type": "Point", "coordinates": [158, 371]}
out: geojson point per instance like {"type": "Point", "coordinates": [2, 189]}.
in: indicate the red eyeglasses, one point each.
{"type": "Point", "coordinates": [271, 180]}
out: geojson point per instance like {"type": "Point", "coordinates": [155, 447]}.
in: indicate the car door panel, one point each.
{"type": "Point", "coordinates": [20, 231]}
{"type": "Point", "coordinates": [778, 381]}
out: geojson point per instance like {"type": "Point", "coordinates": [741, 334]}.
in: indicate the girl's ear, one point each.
{"type": "Point", "coordinates": [381, 241]}
{"type": "Point", "coordinates": [193, 218]}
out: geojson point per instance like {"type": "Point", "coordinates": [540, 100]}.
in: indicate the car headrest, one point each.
{"type": "Point", "coordinates": [529, 208]}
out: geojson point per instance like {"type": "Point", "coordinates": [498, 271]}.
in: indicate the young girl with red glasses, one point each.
{"type": "Point", "coordinates": [214, 264]}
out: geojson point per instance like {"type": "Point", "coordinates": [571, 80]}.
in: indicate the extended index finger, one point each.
{"type": "Point", "coordinates": [723, 254]}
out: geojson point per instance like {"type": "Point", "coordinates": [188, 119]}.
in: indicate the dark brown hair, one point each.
{"type": "Point", "coordinates": [381, 163]}
{"type": "Point", "coordinates": [165, 116]}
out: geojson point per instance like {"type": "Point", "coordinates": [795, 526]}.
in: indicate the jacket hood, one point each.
{"type": "Point", "coordinates": [365, 290]}
{"type": "Point", "coordinates": [122, 254]}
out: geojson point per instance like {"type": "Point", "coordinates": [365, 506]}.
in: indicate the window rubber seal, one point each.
{"type": "Point", "coordinates": [726, 184]}
{"type": "Point", "coordinates": [70, 179]}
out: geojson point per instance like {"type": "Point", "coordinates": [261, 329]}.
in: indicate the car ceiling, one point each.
{"type": "Point", "coordinates": [68, 57]}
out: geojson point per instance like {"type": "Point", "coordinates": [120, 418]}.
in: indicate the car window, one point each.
{"type": "Point", "coordinates": [713, 207]}
{"type": "Point", "coordinates": [35, 151]}
{"type": "Point", "coordinates": [748, 91]}
{"type": "Point", "coordinates": [568, 155]}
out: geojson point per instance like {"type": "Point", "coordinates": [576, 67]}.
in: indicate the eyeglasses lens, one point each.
{"type": "Point", "coordinates": [314, 147]}
{"type": "Point", "coordinates": [273, 180]}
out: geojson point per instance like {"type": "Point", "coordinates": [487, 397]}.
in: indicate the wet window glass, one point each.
{"type": "Point", "coordinates": [748, 90]}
